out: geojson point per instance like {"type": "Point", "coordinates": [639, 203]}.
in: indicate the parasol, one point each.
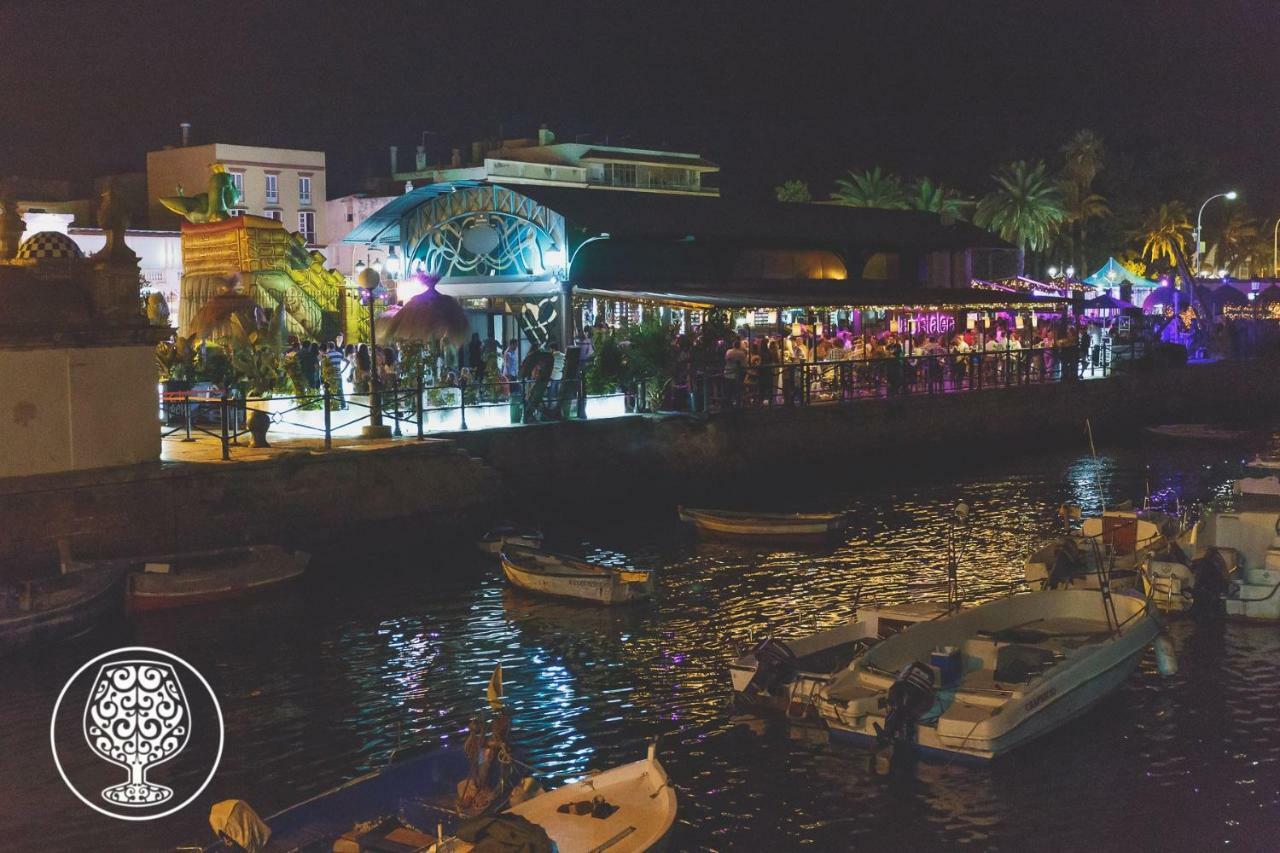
{"type": "Point", "coordinates": [427, 317]}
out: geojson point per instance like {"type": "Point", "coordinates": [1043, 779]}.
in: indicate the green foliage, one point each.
{"type": "Point", "coordinates": [651, 357]}
{"type": "Point", "coordinates": [607, 370]}
{"type": "Point", "coordinates": [936, 198]}
{"type": "Point", "coordinates": [793, 191]}
{"type": "Point", "coordinates": [176, 359]}
{"type": "Point", "coordinates": [1163, 230]}
{"type": "Point", "coordinates": [1026, 207]}
{"type": "Point", "coordinates": [872, 188]}
{"type": "Point", "coordinates": [1083, 155]}
{"type": "Point", "coordinates": [255, 360]}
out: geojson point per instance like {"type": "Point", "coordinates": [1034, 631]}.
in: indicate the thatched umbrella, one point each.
{"type": "Point", "coordinates": [213, 320]}
{"type": "Point", "coordinates": [1227, 295]}
{"type": "Point", "coordinates": [427, 317]}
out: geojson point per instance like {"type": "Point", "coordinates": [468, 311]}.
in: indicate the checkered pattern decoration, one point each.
{"type": "Point", "coordinates": [49, 245]}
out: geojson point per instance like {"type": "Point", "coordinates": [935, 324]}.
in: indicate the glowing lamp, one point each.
{"type": "Point", "coordinates": [1053, 272]}
{"type": "Point", "coordinates": [554, 258]}
{"type": "Point", "coordinates": [1231, 196]}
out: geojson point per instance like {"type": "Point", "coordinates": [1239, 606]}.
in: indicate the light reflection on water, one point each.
{"type": "Point", "coordinates": [375, 651]}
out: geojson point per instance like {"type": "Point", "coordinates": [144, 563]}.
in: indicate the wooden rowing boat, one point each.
{"type": "Point", "coordinates": [569, 577]}
{"type": "Point", "coordinates": [496, 538]}
{"type": "Point", "coordinates": [777, 524]}
{"type": "Point", "coordinates": [201, 577]}
{"type": "Point", "coordinates": [627, 809]}
{"type": "Point", "coordinates": [58, 608]}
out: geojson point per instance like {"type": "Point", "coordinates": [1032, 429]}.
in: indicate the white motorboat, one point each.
{"type": "Point", "coordinates": [1235, 558]}
{"type": "Point", "coordinates": [1120, 540]}
{"type": "Point", "coordinates": [627, 809]}
{"type": "Point", "coordinates": [784, 676]}
{"type": "Point", "coordinates": [985, 681]}
{"type": "Point", "coordinates": [570, 577]}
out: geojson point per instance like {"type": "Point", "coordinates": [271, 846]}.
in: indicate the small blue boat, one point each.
{"type": "Point", "coordinates": [416, 792]}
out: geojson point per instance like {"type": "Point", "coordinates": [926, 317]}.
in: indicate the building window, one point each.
{"type": "Point", "coordinates": [351, 217]}
{"type": "Point", "coordinates": [273, 188]}
{"type": "Point", "coordinates": [307, 225]}
{"type": "Point", "coordinates": [237, 180]}
{"type": "Point", "coordinates": [304, 189]}
{"type": "Point", "coordinates": [237, 211]}
{"type": "Point", "coordinates": [276, 214]}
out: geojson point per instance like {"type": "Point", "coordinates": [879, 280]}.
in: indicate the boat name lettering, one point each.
{"type": "Point", "coordinates": [1032, 704]}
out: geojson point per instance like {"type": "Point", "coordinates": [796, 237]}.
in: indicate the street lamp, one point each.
{"type": "Point", "coordinates": [1230, 195]}
{"type": "Point", "coordinates": [1275, 256]}
{"type": "Point", "coordinates": [368, 280]}
{"type": "Point", "coordinates": [562, 271]}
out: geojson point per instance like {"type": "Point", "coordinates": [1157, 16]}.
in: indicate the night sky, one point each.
{"type": "Point", "coordinates": [770, 91]}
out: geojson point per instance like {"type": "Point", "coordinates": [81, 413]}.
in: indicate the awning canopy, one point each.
{"type": "Point", "coordinates": [383, 227]}
{"type": "Point", "coordinates": [1113, 274]}
{"type": "Point", "coordinates": [807, 293]}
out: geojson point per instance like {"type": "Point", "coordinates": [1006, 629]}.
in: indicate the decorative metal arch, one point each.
{"type": "Point", "coordinates": [445, 233]}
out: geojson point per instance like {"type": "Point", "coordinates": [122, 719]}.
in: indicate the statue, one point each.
{"type": "Point", "coordinates": [211, 206]}
{"type": "Point", "coordinates": [113, 219]}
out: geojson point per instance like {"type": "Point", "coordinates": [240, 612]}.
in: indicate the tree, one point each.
{"type": "Point", "coordinates": [1084, 154]}
{"type": "Point", "coordinates": [936, 198]}
{"type": "Point", "coordinates": [1239, 240]}
{"type": "Point", "coordinates": [1080, 207]}
{"type": "Point", "coordinates": [1163, 229]}
{"type": "Point", "coordinates": [872, 188]}
{"type": "Point", "coordinates": [793, 191]}
{"type": "Point", "coordinates": [1025, 208]}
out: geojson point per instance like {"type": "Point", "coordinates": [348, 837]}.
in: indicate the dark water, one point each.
{"type": "Point", "coordinates": [394, 643]}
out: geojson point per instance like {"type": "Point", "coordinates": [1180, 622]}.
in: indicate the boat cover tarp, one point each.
{"type": "Point", "coordinates": [236, 820]}
{"type": "Point", "coordinates": [505, 833]}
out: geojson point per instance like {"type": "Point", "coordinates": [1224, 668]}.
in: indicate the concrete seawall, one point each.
{"type": "Point", "coordinates": [157, 508]}
{"type": "Point", "coordinates": [454, 486]}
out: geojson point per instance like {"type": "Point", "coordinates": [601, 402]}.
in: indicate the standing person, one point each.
{"type": "Point", "coordinates": [735, 362]}
{"type": "Point", "coordinates": [475, 356]}
{"type": "Point", "coordinates": [557, 374]}
{"type": "Point", "coordinates": [309, 364]}
{"type": "Point", "coordinates": [361, 371]}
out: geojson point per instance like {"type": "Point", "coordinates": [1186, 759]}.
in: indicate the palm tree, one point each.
{"type": "Point", "coordinates": [1080, 207]}
{"type": "Point", "coordinates": [872, 188]}
{"type": "Point", "coordinates": [1239, 237]}
{"type": "Point", "coordinates": [1025, 208]}
{"type": "Point", "coordinates": [1164, 229]}
{"type": "Point", "coordinates": [1084, 154]}
{"type": "Point", "coordinates": [937, 198]}
{"type": "Point", "coordinates": [793, 191]}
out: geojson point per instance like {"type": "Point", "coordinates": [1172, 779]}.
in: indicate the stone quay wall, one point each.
{"type": "Point", "coordinates": [451, 488]}
{"type": "Point", "coordinates": [296, 498]}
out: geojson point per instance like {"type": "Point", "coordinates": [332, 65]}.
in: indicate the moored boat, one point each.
{"type": "Point", "coordinates": [626, 809]}
{"type": "Point", "coordinates": [58, 608]}
{"type": "Point", "coordinates": [785, 676]}
{"type": "Point", "coordinates": [570, 577]}
{"type": "Point", "coordinates": [985, 681]}
{"type": "Point", "coordinates": [200, 577]}
{"type": "Point", "coordinates": [494, 539]}
{"type": "Point", "coordinates": [1197, 432]}
{"type": "Point", "coordinates": [764, 524]}
{"type": "Point", "coordinates": [1120, 540]}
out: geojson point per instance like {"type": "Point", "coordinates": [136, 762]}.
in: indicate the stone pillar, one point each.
{"type": "Point", "coordinates": [114, 292]}
{"type": "Point", "coordinates": [11, 228]}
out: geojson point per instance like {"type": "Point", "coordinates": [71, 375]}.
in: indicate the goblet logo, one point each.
{"type": "Point", "coordinates": [137, 717]}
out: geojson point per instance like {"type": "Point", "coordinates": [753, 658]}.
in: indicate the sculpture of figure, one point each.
{"type": "Point", "coordinates": [212, 206]}
{"type": "Point", "coordinates": [113, 219]}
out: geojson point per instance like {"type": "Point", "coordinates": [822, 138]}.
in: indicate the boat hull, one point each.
{"type": "Point", "coordinates": [598, 587]}
{"type": "Point", "coordinates": [101, 599]}
{"type": "Point", "coordinates": [261, 568]}
{"type": "Point", "coordinates": [763, 525]}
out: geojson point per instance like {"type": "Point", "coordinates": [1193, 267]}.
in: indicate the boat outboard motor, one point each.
{"type": "Point", "coordinates": [1212, 583]}
{"type": "Point", "coordinates": [909, 698]}
{"type": "Point", "coordinates": [1067, 563]}
{"type": "Point", "coordinates": [775, 666]}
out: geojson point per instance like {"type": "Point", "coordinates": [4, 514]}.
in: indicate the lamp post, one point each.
{"type": "Point", "coordinates": [1230, 195]}
{"type": "Point", "coordinates": [562, 271]}
{"type": "Point", "coordinates": [369, 279]}
{"type": "Point", "coordinates": [1275, 256]}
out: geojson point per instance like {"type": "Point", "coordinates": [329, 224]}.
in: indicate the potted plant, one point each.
{"type": "Point", "coordinates": [256, 361]}
{"type": "Point", "coordinates": [176, 362]}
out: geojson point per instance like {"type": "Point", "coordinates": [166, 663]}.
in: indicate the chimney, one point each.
{"type": "Point", "coordinates": [477, 152]}
{"type": "Point", "coordinates": [185, 128]}
{"type": "Point", "coordinates": [393, 159]}
{"type": "Point", "coordinates": [420, 159]}
{"type": "Point", "coordinates": [545, 137]}
{"type": "Point", "coordinates": [455, 158]}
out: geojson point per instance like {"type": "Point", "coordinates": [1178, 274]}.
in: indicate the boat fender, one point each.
{"type": "Point", "coordinates": [909, 697]}
{"type": "Point", "coordinates": [775, 666]}
{"type": "Point", "coordinates": [1166, 658]}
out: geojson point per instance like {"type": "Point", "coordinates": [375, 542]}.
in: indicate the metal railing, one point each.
{"type": "Point", "coordinates": [406, 409]}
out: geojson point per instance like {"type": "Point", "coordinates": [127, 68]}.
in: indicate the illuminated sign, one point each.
{"type": "Point", "coordinates": [930, 323]}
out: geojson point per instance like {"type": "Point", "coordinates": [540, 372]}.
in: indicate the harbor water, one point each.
{"type": "Point", "coordinates": [389, 641]}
